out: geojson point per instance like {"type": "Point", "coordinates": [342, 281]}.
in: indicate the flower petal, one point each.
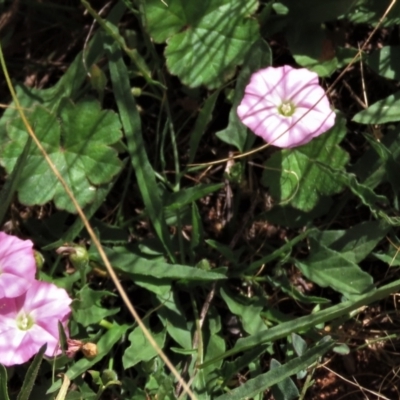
{"type": "Point", "coordinates": [13, 285]}
{"type": "Point", "coordinates": [47, 300]}
{"type": "Point", "coordinates": [268, 89]}
{"type": "Point", "coordinates": [16, 256]}
{"type": "Point", "coordinates": [44, 304]}
{"type": "Point", "coordinates": [11, 351]}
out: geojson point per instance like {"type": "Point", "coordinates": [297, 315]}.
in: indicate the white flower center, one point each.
{"type": "Point", "coordinates": [286, 109]}
{"type": "Point", "coordinates": [24, 321]}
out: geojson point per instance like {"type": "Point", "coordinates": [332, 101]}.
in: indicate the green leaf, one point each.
{"type": "Point", "coordinates": [204, 117]}
{"type": "Point", "coordinates": [77, 141]}
{"type": "Point", "coordinates": [322, 68]}
{"type": "Point", "coordinates": [302, 324]}
{"type": "Point", "coordinates": [262, 382]}
{"type": "Point", "coordinates": [3, 383]}
{"type": "Point", "coordinates": [381, 112]}
{"type": "Point", "coordinates": [386, 61]}
{"type": "Point", "coordinates": [206, 40]}
{"type": "Point", "coordinates": [140, 348]}
{"type": "Point", "coordinates": [177, 200]}
{"type": "Point", "coordinates": [284, 390]}
{"type": "Point", "coordinates": [9, 187]}
{"type": "Point", "coordinates": [73, 231]}
{"type": "Point", "coordinates": [197, 237]}
{"type": "Point", "coordinates": [87, 308]}
{"type": "Point", "coordinates": [204, 382]}
{"type": "Point", "coordinates": [248, 310]}
{"type": "Point", "coordinates": [131, 123]}
{"type": "Point", "coordinates": [297, 176]}
{"type": "Point", "coordinates": [170, 312]}
{"type": "Point", "coordinates": [371, 12]}
{"type": "Point", "coordinates": [367, 196]}
{"type": "Point", "coordinates": [31, 375]}
{"type": "Point", "coordinates": [124, 260]}
{"type": "Point", "coordinates": [236, 134]}
{"type": "Point", "coordinates": [299, 344]}
{"type": "Point", "coordinates": [355, 243]}
{"type": "Point", "coordinates": [282, 282]}
{"type": "Point", "coordinates": [327, 267]}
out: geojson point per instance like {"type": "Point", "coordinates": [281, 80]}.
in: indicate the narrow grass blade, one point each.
{"type": "Point", "coordinates": [31, 375]}
{"type": "Point", "coordinates": [131, 123]}
{"type": "Point", "coordinates": [3, 383]}
{"type": "Point", "coordinates": [302, 324]}
{"type": "Point", "coordinates": [264, 381]}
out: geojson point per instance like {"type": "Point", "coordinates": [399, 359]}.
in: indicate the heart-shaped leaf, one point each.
{"type": "Point", "coordinates": [77, 141]}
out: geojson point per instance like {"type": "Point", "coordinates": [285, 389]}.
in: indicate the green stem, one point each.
{"type": "Point", "coordinates": [106, 324]}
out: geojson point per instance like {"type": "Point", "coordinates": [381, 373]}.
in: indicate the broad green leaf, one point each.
{"type": "Point", "coordinates": [381, 112]}
{"type": "Point", "coordinates": [367, 196]}
{"type": "Point", "coordinates": [126, 261]}
{"type": "Point", "coordinates": [87, 308]}
{"type": "Point", "coordinates": [170, 312]}
{"type": "Point", "coordinates": [355, 243]}
{"type": "Point", "coordinates": [31, 375]}
{"type": "Point", "coordinates": [205, 382]}
{"type": "Point", "coordinates": [327, 267]}
{"type": "Point", "coordinates": [70, 83]}
{"type": "Point", "coordinates": [381, 162]}
{"type": "Point", "coordinates": [297, 176]}
{"type": "Point", "coordinates": [371, 12]}
{"type": "Point", "coordinates": [73, 231]}
{"type": "Point", "coordinates": [262, 382]}
{"type": "Point", "coordinates": [391, 256]}
{"type": "Point", "coordinates": [285, 389]}
{"type": "Point", "coordinates": [206, 40]}
{"type": "Point", "coordinates": [9, 187]}
{"type": "Point", "coordinates": [3, 383]}
{"type": "Point", "coordinates": [248, 310]}
{"type": "Point", "coordinates": [311, 47]}
{"type": "Point", "coordinates": [299, 344]}
{"type": "Point", "coordinates": [140, 348]}
{"type": "Point", "coordinates": [236, 134]}
{"type": "Point", "coordinates": [77, 141]}
{"type": "Point", "coordinates": [322, 68]}
{"type": "Point", "coordinates": [386, 61]}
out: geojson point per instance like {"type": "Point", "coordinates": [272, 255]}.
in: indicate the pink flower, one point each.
{"type": "Point", "coordinates": [31, 320]}
{"type": "Point", "coordinates": [17, 265]}
{"type": "Point", "coordinates": [286, 106]}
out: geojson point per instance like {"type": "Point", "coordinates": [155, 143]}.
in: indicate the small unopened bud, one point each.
{"type": "Point", "coordinates": [136, 91]}
{"type": "Point", "coordinates": [39, 259]}
{"type": "Point", "coordinates": [79, 258]}
{"type": "Point", "coordinates": [89, 350]}
{"type": "Point", "coordinates": [78, 255]}
{"type": "Point", "coordinates": [108, 375]}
